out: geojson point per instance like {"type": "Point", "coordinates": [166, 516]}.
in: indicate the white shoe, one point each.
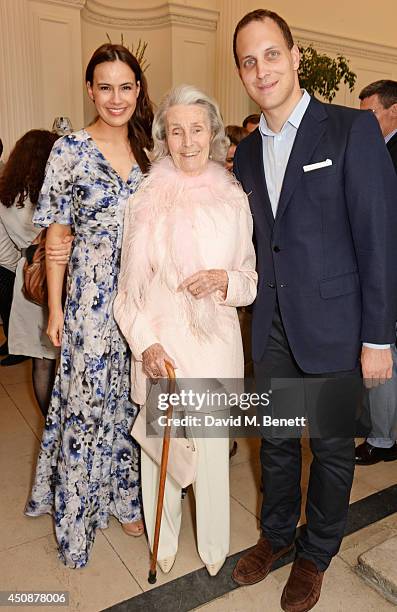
{"type": "Point", "coordinates": [213, 568]}
{"type": "Point", "coordinates": [166, 564]}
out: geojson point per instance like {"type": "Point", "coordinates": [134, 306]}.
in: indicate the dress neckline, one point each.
{"type": "Point", "coordinates": [105, 159]}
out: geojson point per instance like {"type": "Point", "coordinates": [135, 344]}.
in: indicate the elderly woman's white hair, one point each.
{"type": "Point", "coordinates": [187, 95]}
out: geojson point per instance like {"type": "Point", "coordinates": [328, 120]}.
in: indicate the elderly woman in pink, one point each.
{"type": "Point", "coordinates": [187, 263]}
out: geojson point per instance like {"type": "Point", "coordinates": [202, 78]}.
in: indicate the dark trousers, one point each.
{"type": "Point", "coordinates": [7, 279]}
{"type": "Point", "coordinates": [331, 471]}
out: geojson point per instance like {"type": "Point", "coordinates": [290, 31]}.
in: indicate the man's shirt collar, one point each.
{"type": "Point", "coordinates": [294, 119]}
{"type": "Point", "coordinates": [390, 136]}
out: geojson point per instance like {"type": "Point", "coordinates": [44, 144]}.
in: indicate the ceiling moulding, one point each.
{"type": "Point", "coordinates": [72, 3]}
{"type": "Point", "coordinates": [349, 47]}
{"type": "Point", "coordinates": [165, 14]}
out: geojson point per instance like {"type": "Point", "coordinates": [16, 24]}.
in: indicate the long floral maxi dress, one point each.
{"type": "Point", "coordinates": [88, 463]}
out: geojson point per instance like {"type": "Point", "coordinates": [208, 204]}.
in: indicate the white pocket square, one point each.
{"type": "Point", "coordinates": [323, 164]}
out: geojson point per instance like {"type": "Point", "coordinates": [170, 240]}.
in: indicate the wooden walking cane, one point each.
{"type": "Point", "coordinates": [163, 474]}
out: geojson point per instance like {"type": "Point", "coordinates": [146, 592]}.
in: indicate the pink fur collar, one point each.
{"type": "Point", "coordinates": [161, 235]}
{"type": "Point", "coordinates": [214, 186]}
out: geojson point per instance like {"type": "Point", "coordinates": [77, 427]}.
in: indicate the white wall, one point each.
{"type": "Point", "coordinates": [181, 39]}
{"type": "Point", "coordinates": [362, 31]}
{"type": "Point", "coordinates": [46, 44]}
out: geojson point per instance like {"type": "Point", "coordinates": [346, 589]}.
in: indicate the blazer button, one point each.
{"type": "Point", "coordinates": [271, 285]}
{"type": "Point", "coordinates": [276, 249]}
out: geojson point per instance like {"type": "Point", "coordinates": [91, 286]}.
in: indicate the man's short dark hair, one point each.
{"type": "Point", "coordinates": [235, 133]}
{"type": "Point", "coordinates": [1, 147]}
{"type": "Point", "coordinates": [261, 15]}
{"type": "Point", "coordinates": [251, 119]}
{"type": "Point", "coordinates": [385, 89]}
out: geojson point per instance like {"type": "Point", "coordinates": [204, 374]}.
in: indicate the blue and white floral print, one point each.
{"type": "Point", "coordinates": [88, 462]}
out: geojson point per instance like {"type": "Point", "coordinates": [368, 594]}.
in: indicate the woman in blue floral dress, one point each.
{"type": "Point", "coordinates": [88, 466]}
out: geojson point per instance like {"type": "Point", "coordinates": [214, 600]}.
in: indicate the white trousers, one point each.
{"type": "Point", "coordinates": [211, 491]}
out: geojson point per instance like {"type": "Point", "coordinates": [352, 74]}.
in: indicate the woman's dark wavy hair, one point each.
{"type": "Point", "coordinates": [140, 124]}
{"type": "Point", "coordinates": [23, 174]}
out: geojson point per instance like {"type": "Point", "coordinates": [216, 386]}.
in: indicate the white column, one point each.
{"type": "Point", "coordinates": [229, 91]}
{"type": "Point", "coordinates": [17, 108]}
{"type": "Point", "coordinates": [40, 65]}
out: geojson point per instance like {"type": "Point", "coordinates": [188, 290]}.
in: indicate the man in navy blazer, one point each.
{"type": "Point", "coordinates": [322, 191]}
{"type": "Point", "coordinates": [380, 97]}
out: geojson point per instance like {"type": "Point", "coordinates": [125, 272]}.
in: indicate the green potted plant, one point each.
{"type": "Point", "coordinates": [321, 74]}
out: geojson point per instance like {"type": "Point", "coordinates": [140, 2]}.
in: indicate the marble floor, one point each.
{"type": "Point", "coordinates": [119, 565]}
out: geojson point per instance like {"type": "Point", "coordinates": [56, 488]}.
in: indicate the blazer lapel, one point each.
{"type": "Point", "coordinates": [258, 172]}
{"type": "Point", "coordinates": [312, 127]}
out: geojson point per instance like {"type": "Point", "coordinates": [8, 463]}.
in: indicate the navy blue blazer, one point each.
{"type": "Point", "coordinates": [331, 252]}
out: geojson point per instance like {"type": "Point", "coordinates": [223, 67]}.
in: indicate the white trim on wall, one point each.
{"type": "Point", "coordinates": [329, 43]}
{"type": "Point", "coordinates": [72, 3]}
{"type": "Point", "coordinates": [169, 13]}
{"type": "Point", "coordinates": [370, 61]}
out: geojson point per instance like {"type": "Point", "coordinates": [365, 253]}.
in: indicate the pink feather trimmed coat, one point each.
{"type": "Point", "coordinates": [176, 225]}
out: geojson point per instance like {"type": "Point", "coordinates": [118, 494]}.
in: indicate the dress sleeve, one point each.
{"type": "Point", "coordinates": [54, 204]}
{"type": "Point", "coordinates": [243, 278]}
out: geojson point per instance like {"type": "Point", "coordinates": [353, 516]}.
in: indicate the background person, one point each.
{"type": "Point", "coordinates": [20, 185]}
{"type": "Point", "coordinates": [87, 450]}
{"type": "Point", "coordinates": [235, 134]}
{"type": "Point", "coordinates": [381, 98]}
{"type": "Point", "coordinates": [322, 193]}
{"type": "Point", "coordinates": [251, 122]}
{"type": "Point", "coordinates": [187, 262]}
{"type": "Point", "coordinates": [9, 256]}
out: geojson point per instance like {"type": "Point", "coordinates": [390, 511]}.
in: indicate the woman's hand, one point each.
{"type": "Point", "coordinates": [153, 359]}
{"type": "Point", "coordinates": [60, 252]}
{"type": "Point", "coordinates": [55, 327]}
{"type": "Point", "coordinates": [205, 282]}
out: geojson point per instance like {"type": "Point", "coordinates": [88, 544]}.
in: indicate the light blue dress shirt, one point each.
{"type": "Point", "coordinates": [277, 148]}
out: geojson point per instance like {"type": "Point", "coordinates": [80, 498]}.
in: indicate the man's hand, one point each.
{"type": "Point", "coordinates": [376, 366]}
{"type": "Point", "coordinates": [60, 253]}
{"type": "Point", "coordinates": [205, 282]}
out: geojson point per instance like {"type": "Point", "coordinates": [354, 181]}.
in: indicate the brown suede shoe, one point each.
{"type": "Point", "coordinates": [255, 565]}
{"type": "Point", "coordinates": [303, 588]}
